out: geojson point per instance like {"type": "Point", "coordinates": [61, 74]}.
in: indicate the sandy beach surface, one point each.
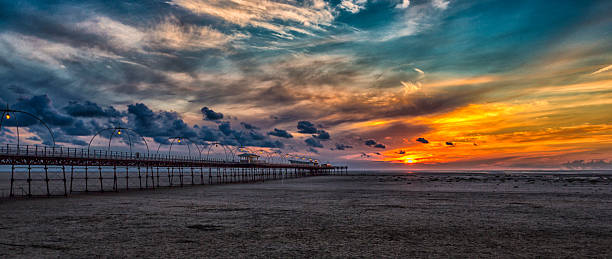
{"type": "Point", "coordinates": [374, 215]}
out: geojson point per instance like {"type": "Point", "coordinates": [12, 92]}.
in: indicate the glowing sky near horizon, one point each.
{"type": "Point", "coordinates": [487, 84]}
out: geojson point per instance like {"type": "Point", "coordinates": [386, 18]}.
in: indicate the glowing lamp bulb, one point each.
{"type": "Point", "coordinates": [8, 116]}
{"type": "Point", "coordinates": [179, 140]}
{"type": "Point", "coordinates": [118, 132]}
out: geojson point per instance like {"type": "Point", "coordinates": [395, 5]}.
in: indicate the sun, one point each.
{"type": "Point", "coordinates": [409, 160]}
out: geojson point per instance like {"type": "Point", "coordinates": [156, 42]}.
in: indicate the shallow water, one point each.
{"type": "Point", "coordinates": [362, 215]}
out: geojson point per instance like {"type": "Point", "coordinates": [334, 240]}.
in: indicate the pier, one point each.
{"type": "Point", "coordinates": [61, 171]}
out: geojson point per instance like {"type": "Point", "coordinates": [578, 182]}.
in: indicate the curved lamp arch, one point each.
{"type": "Point", "coordinates": [178, 140]}
{"type": "Point", "coordinates": [118, 130]}
{"type": "Point", "coordinates": [225, 150]}
{"type": "Point", "coordinates": [6, 113]}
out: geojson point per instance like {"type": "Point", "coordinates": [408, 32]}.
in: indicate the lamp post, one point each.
{"type": "Point", "coordinates": [6, 115]}
{"type": "Point", "coordinates": [119, 131]}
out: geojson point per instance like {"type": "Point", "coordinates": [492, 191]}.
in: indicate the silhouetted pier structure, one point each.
{"type": "Point", "coordinates": [61, 171]}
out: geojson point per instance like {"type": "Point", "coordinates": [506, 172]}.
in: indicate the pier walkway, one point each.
{"type": "Point", "coordinates": [28, 171]}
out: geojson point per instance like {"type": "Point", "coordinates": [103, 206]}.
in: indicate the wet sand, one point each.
{"type": "Point", "coordinates": [411, 215]}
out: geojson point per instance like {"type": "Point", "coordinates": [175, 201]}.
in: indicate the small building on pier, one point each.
{"type": "Point", "coordinates": [248, 158]}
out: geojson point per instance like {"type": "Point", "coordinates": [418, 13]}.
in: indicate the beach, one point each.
{"type": "Point", "coordinates": [373, 214]}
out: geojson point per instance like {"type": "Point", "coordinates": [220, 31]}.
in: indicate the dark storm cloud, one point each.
{"type": "Point", "coordinates": [401, 152]}
{"type": "Point", "coordinates": [157, 124]}
{"type": "Point", "coordinates": [207, 134]}
{"type": "Point", "coordinates": [370, 142]}
{"type": "Point", "coordinates": [422, 140]}
{"type": "Point", "coordinates": [226, 128]}
{"type": "Point", "coordinates": [322, 135]}
{"type": "Point", "coordinates": [228, 136]}
{"type": "Point", "coordinates": [380, 145]}
{"type": "Point", "coordinates": [58, 135]}
{"type": "Point", "coordinates": [248, 126]}
{"type": "Point", "coordinates": [313, 143]}
{"type": "Point", "coordinates": [373, 143]}
{"type": "Point", "coordinates": [280, 133]}
{"type": "Point", "coordinates": [211, 115]}
{"type": "Point", "coordinates": [41, 106]}
{"type": "Point", "coordinates": [306, 127]}
{"type": "Point", "coordinates": [340, 146]}
{"type": "Point", "coordinates": [448, 143]}
{"type": "Point", "coordinates": [79, 128]}
{"type": "Point", "coordinates": [90, 109]}
{"type": "Point", "coordinates": [313, 150]}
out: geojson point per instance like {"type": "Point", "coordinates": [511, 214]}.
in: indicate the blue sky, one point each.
{"type": "Point", "coordinates": [357, 70]}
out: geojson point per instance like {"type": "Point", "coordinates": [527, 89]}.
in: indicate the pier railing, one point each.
{"type": "Point", "coordinates": [48, 171]}
{"type": "Point", "coordinates": [68, 152]}
{"type": "Point", "coordinates": [59, 152]}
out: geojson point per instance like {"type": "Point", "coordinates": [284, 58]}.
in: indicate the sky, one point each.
{"type": "Point", "coordinates": [396, 84]}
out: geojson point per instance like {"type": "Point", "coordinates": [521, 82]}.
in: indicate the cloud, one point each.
{"type": "Point", "coordinates": [42, 107]}
{"type": "Point", "coordinates": [340, 146]}
{"type": "Point", "coordinates": [280, 133]}
{"type": "Point", "coordinates": [322, 135]}
{"type": "Point", "coordinates": [226, 128]}
{"type": "Point", "coordinates": [174, 35]}
{"type": "Point", "coordinates": [403, 4]}
{"type": "Point", "coordinates": [248, 126]}
{"type": "Point", "coordinates": [306, 127]}
{"type": "Point", "coordinates": [593, 164]}
{"type": "Point", "coordinates": [89, 109]}
{"type": "Point", "coordinates": [79, 129]}
{"type": "Point", "coordinates": [313, 143]}
{"type": "Point", "coordinates": [370, 142]}
{"type": "Point", "coordinates": [158, 124]}
{"type": "Point", "coordinates": [245, 138]}
{"type": "Point", "coordinates": [352, 6]}
{"type": "Point", "coordinates": [379, 145]}
{"type": "Point", "coordinates": [602, 70]}
{"type": "Point", "coordinates": [422, 140]}
{"type": "Point", "coordinates": [410, 87]}
{"type": "Point", "coordinates": [440, 4]}
{"type": "Point", "coordinates": [448, 143]}
{"type": "Point", "coordinates": [211, 115]}
{"type": "Point", "coordinates": [116, 33]}
{"type": "Point", "coordinates": [373, 143]}
{"type": "Point", "coordinates": [401, 152]}
{"type": "Point", "coordinates": [207, 134]}
{"type": "Point", "coordinates": [264, 14]}
{"type": "Point", "coordinates": [168, 34]}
